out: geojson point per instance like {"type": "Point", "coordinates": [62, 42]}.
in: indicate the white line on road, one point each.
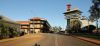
{"type": "Point", "coordinates": [56, 42]}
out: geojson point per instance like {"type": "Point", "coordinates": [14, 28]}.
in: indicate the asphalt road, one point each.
{"type": "Point", "coordinates": [62, 40]}
{"type": "Point", "coordinates": [46, 40]}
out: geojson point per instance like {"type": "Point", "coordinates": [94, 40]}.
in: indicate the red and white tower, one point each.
{"type": "Point", "coordinates": [71, 14]}
{"type": "Point", "coordinates": [68, 7]}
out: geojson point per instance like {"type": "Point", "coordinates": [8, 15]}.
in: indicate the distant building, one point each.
{"type": "Point", "coordinates": [71, 14]}
{"type": "Point", "coordinates": [35, 25]}
{"type": "Point", "coordinates": [39, 25]}
{"type": "Point", "coordinates": [24, 25]}
{"type": "Point", "coordinates": [85, 22]}
{"type": "Point", "coordinates": [75, 14]}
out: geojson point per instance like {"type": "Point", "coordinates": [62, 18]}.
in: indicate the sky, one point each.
{"type": "Point", "coordinates": [52, 10]}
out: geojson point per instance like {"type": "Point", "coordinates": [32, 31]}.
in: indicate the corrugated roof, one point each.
{"type": "Point", "coordinates": [23, 22]}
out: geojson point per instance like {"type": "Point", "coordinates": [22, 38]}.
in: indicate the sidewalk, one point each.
{"type": "Point", "coordinates": [89, 40]}
{"type": "Point", "coordinates": [25, 36]}
{"type": "Point", "coordinates": [9, 39]}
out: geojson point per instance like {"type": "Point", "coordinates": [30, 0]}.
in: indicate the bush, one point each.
{"type": "Point", "coordinates": [6, 31]}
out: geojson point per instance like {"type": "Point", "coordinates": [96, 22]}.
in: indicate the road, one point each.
{"type": "Point", "coordinates": [46, 40]}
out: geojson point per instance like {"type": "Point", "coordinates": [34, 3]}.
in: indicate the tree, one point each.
{"type": "Point", "coordinates": [4, 32]}
{"type": "Point", "coordinates": [95, 11]}
{"type": "Point", "coordinates": [56, 29]}
{"type": "Point", "coordinates": [75, 25]}
{"type": "Point", "coordinates": [7, 30]}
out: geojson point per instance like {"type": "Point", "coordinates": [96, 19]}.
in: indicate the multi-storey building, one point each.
{"type": "Point", "coordinates": [35, 25]}
{"type": "Point", "coordinates": [72, 14]}
{"type": "Point", "coordinates": [75, 14]}
{"type": "Point", "coordinates": [24, 26]}
{"type": "Point", "coordinates": [39, 25]}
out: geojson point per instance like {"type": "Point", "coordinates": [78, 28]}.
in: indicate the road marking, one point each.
{"type": "Point", "coordinates": [56, 42]}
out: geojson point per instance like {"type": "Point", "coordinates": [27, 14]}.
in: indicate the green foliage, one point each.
{"type": "Point", "coordinates": [75, 25]}
{"type": "Point", "coordinates": [95, 10]}
{"type": "Point", "coordinates": [56, 29]}
{"type": "Point", "coordinates": [4, 30]}
{"type": "Point", "coordinates": [7, 31]}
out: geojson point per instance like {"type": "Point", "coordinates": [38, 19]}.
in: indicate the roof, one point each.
{"type": "Point", "coordinates": [71, 11]}
{"type": "Point", "coordinates": [23, 22]}
{"type": "Point", "coordinates": [37, 18]}
{"type": "Point", "coordinates": [4, 18]}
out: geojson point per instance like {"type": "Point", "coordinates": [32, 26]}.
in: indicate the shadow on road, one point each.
{"type": "Point", "coordinates": [36, 44]}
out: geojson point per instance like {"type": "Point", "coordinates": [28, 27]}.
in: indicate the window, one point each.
{"type": "Point", "coordinates": [36, 21]}
{"type": "Point", "coordinates": [31, 25]}
{"type": "Point", "coordinates": [37, 26]}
